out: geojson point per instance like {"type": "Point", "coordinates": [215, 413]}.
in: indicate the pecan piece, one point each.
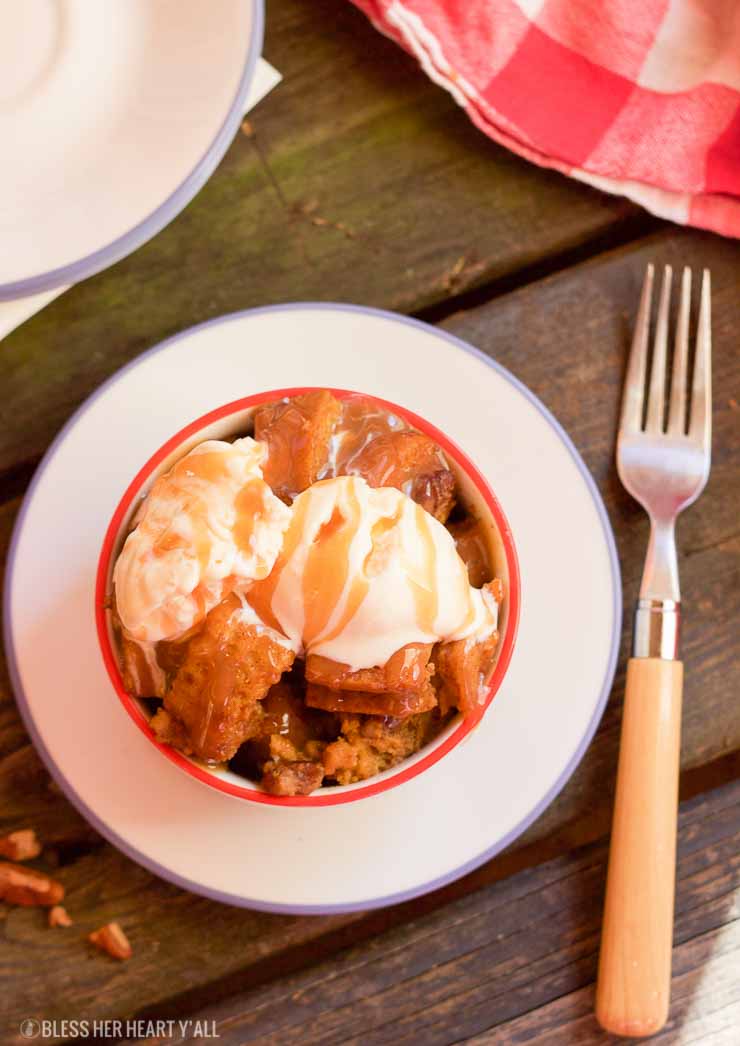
{"type": "Point", "coordinates": [111, 939]}
{"type": "Point", "coordinates": [20, 846]}
{"type": "Point", "coordinates": [58, 916]}
{"type": "Point", "coordinates": [19, 885]}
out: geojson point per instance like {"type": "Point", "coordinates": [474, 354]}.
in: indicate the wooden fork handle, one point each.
{"type": "Point", "coordinates": [635, 963]}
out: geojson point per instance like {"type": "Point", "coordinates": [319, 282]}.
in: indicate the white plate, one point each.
{"type": "Point", "coordinates": [112, 117]}
{"type": "Point", "coordinates": [414, 837]}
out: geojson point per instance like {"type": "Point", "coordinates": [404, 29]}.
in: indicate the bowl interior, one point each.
{"type": "Point", "coordinates": [235, 420]}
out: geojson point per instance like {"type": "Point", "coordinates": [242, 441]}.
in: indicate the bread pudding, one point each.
{"type": "Point", "coordinates": [309, 603]}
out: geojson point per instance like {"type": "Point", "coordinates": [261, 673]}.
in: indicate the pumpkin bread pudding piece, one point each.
{"type": "Point", "coordinates": [397, 706]}
{"type": "Point", "coordinates": [170, 731]}
{"type": "Point", "coordinates": [290, 743]}
{"type": "Point", "coordinates": [289, 730]}
{"type": "Point", "coordinates": [408, 461]}
{"type": "Point", "coordinates": [144, 676]}
{"type": "Point", "coordinates": [214, 696]}
{"type": "Point", "coordinates": [140, 678]}
{"type": "Point", "coordinates": [368, 745]}
{"type": "Point", "coordinates": [435, 492]}
{"type": "Point", "coordinates": [298, 435]}
{"type": "Point", "coordinates": [406, 671]}
{"type": "Point", "coordinates": [462, 666]}
{"type": "Point", "coordinates": [472, 549]}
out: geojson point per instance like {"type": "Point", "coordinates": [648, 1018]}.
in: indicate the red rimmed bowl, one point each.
{"type": "Point", "coordinates": [229, 421]}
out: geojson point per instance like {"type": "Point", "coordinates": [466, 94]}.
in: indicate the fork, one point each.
{"type": "Point", "coordinates": [664, 464]}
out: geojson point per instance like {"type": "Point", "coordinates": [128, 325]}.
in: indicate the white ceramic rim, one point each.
{"type": "Point", "coordinates": [178, 199]}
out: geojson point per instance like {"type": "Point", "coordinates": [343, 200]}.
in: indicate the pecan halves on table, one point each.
{"type": "Point", "coordinates": [59, 916]}
{"type": "Point", "coordinates": [20, 846]}
{"type": "Point", "coordinates": [27, 887]}
{"type": "Point", "coordinates": [111, 939]}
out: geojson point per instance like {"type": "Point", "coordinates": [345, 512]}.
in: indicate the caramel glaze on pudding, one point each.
{"type": "Point", "coordinates": [310, 603]}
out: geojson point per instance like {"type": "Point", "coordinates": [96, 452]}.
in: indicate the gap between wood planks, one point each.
{"type": "Point", "coordinates": [623, 233]}
{"type": "Point", "coordinates": [15, 480]}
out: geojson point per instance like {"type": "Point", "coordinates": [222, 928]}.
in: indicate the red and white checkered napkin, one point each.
{"type": "Point", "coordinates": [638, 97]}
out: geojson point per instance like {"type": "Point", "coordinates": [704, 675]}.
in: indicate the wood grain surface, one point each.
{"type": "Point", "coordinates": [515, 962]}
{"type": "Point", "coordinates": [359, 180]}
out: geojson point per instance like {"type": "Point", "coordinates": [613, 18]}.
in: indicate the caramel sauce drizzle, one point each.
{"type": "Point", "coordinates": [335, 562]}
{"type": "Point", "coordinates": [422, 575]}
{"type": "Point", "coordinates": [211, 467]}
{"type": "Point", "coordinates": [221, 683]}
{"type": "Point", "coordinates": [361, 421]}
{"type": "Point", "coordinates": [261, 593]}
{"type": "Point", "coordinates": [250, 510]}
{"type": "Point", "coordinates": [326, 576]}
{"type": "Point", "coordinates": [326, 571]}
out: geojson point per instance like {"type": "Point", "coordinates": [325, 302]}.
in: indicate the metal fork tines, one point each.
{"type": "Point", "coordinates": [664, 463]}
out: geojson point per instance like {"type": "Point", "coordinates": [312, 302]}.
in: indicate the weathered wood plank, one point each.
{"type": "Point", "coordinates": [363, 182]}
{"type": "Point", "coordinates": [705, 1004]}
{"type": "Point", "coordinates": [580, 318]}
{"type": "Point", "coordinates": [515, 962]}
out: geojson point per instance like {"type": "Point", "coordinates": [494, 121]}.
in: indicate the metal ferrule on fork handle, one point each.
{"type": "Point", "coordinates": [657, 625]}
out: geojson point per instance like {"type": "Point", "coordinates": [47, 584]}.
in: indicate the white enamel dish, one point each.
{"type": "Point", "coordinates": [426, 831]}
{"type": "Point", "coordinates": [112, 117]}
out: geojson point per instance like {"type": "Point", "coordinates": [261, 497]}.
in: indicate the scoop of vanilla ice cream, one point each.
{"type": "Point", "coordinates": [365, 571]}
{"type": "Point", "coordinates": [208, 526]}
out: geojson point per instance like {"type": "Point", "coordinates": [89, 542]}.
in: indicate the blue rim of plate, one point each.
{"type": "Point", "coordinates": [374, 902]}
{"type": "Point", "coordinates": [162, 215]}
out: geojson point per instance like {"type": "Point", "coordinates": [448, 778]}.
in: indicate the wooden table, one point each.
{"type": "Point", "coordinates": [358, 180]}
